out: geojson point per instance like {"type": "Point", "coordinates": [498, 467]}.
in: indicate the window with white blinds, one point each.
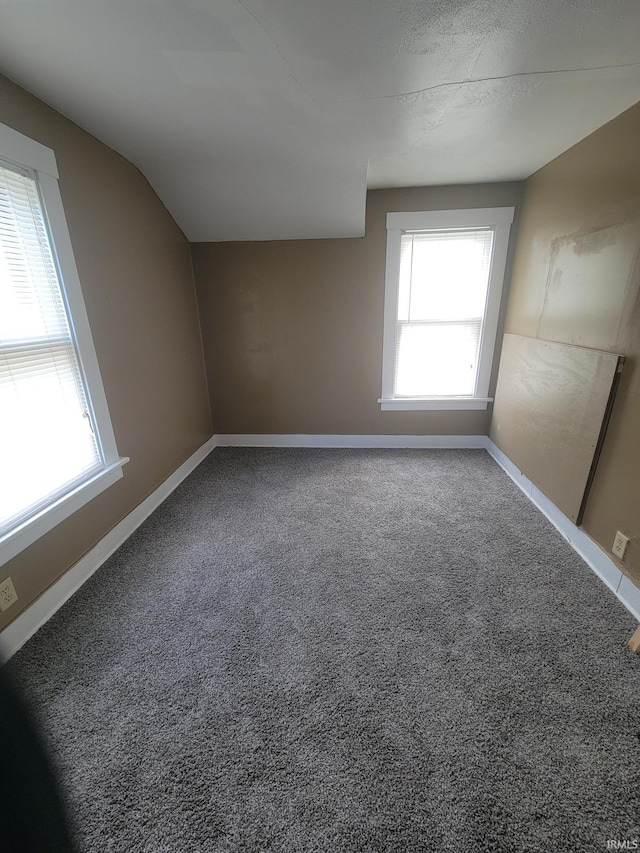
{"type": "Point", "coordinates": [444, 279]}
{"type": "Point", "coordinates": [47, 439]}
{"type": "Point", "coordinates": [57, 448]}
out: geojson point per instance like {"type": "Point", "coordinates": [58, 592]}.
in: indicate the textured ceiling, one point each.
{"type": "Point", "coordinates": [267, 119]}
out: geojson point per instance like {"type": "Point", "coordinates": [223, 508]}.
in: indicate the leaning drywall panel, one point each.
{"type": "Point", "coordinates": [550, 404]}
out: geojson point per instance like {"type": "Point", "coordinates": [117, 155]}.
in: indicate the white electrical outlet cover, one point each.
{"type": "Point", "coordinates": [8, 595]}
{"type": "Point", "coordinates": [620, 545]}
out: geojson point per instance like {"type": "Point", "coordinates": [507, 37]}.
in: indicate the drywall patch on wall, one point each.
{"type": "Point", "coordinates": [584, 304]}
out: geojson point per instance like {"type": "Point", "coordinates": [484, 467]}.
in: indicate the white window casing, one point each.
{"type": "Point", "coordinates": [487, 231]}
{"type": "Point", "coordinates": [37, 243]}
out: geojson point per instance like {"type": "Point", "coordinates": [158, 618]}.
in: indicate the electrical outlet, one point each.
{"type": "Point", "coordinates": [620, 545]}
{"type": "Point", "coordinates": [8, 595]}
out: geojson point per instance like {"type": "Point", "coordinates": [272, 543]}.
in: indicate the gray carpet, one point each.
{"type": "Point", "coordinates": [343, 651]}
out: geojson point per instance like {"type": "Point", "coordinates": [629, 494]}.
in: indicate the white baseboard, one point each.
{"type": "Point", "coordinates": [34, 617]}
{"type": "Point", "coordinates": [629, 595]}
{"type": "Point", "coordinates": [21, 629]}
{"type": "Point", "coordinates": [303, 440]}
{"type": "Point", "coordinates": [591, 553]}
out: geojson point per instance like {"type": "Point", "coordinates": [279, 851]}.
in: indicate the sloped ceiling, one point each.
{"type": "Point", "coordinates": [267, 119]}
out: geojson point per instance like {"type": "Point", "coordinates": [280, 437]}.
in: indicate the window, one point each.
{"type": "Point", "coordinates": [57, 448]}
{"type": "Point", "coordinates": [444, 278]}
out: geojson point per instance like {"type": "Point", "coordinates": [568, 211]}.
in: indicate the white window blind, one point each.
{"type": "Point", "coordinates": [442, 296]}
{"type": "Point", "coordinates": [47, 440]}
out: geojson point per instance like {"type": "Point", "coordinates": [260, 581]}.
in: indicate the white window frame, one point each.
{"type": "Point", "coordinates": [22, 151]}
{"type": "Point", "coordinates": [498, 218]}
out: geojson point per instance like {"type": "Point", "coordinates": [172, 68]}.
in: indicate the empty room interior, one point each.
{"type": "Point", "coordinates": [319, 426]}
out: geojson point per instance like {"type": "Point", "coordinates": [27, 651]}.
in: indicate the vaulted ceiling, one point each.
{"type": "Point", "coordinates": [268, 119]}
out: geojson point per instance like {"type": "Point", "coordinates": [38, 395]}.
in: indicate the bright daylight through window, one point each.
{"type": "Point", "coordinates": [50, 441]}
{"type": "Point", "coordinates": [444, 282]}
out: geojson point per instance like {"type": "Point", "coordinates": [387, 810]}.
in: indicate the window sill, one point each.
{"type": "Point", "coordinates": [398, 404]}
{"type": "Point", "coordinates": [33, 528]}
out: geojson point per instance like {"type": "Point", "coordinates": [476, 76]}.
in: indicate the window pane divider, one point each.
{"type": "Point", "coordinates": [463, 322]}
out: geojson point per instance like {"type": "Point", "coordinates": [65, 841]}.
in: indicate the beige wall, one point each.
{"type": "Point", "coordinates": [135, 270]}
{"type": "Point", "coordinates": [576, 279]}
{"type": "Point", "coordinates": [292, 330]}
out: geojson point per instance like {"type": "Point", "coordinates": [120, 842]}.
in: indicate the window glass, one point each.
{"type": "Point", "coordinates": [443, 284]}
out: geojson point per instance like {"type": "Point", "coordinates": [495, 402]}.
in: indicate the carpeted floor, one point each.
{"type": "Point", "coordinates": [337, 651]}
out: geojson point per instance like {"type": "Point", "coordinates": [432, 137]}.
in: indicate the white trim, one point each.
{"type": "Point", "coordinates": [500, 218]}
{"type": "Point", "coordinates": [433, 403]}
{"type": "Point", "coordinates": [72, 291]}
{"type": "Point", "coordinates": [34, 617]}
{"type": "Point", "coordinates": [417, 219]}
{"type": "Point", "coordinates": [303, 440]}
{"type": "Point", "coordinates": [597, 559]}
{"type": "Point", "coordinates": [390, 325]}
{"type": "Point", "coordinates": [35, 526]}
{"type": "Point", "coordinates": [629, 595]}
{"type": "Point", "coordinates": [489, 331]}
{"type": "Point", "coordinates": [23, 151]}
